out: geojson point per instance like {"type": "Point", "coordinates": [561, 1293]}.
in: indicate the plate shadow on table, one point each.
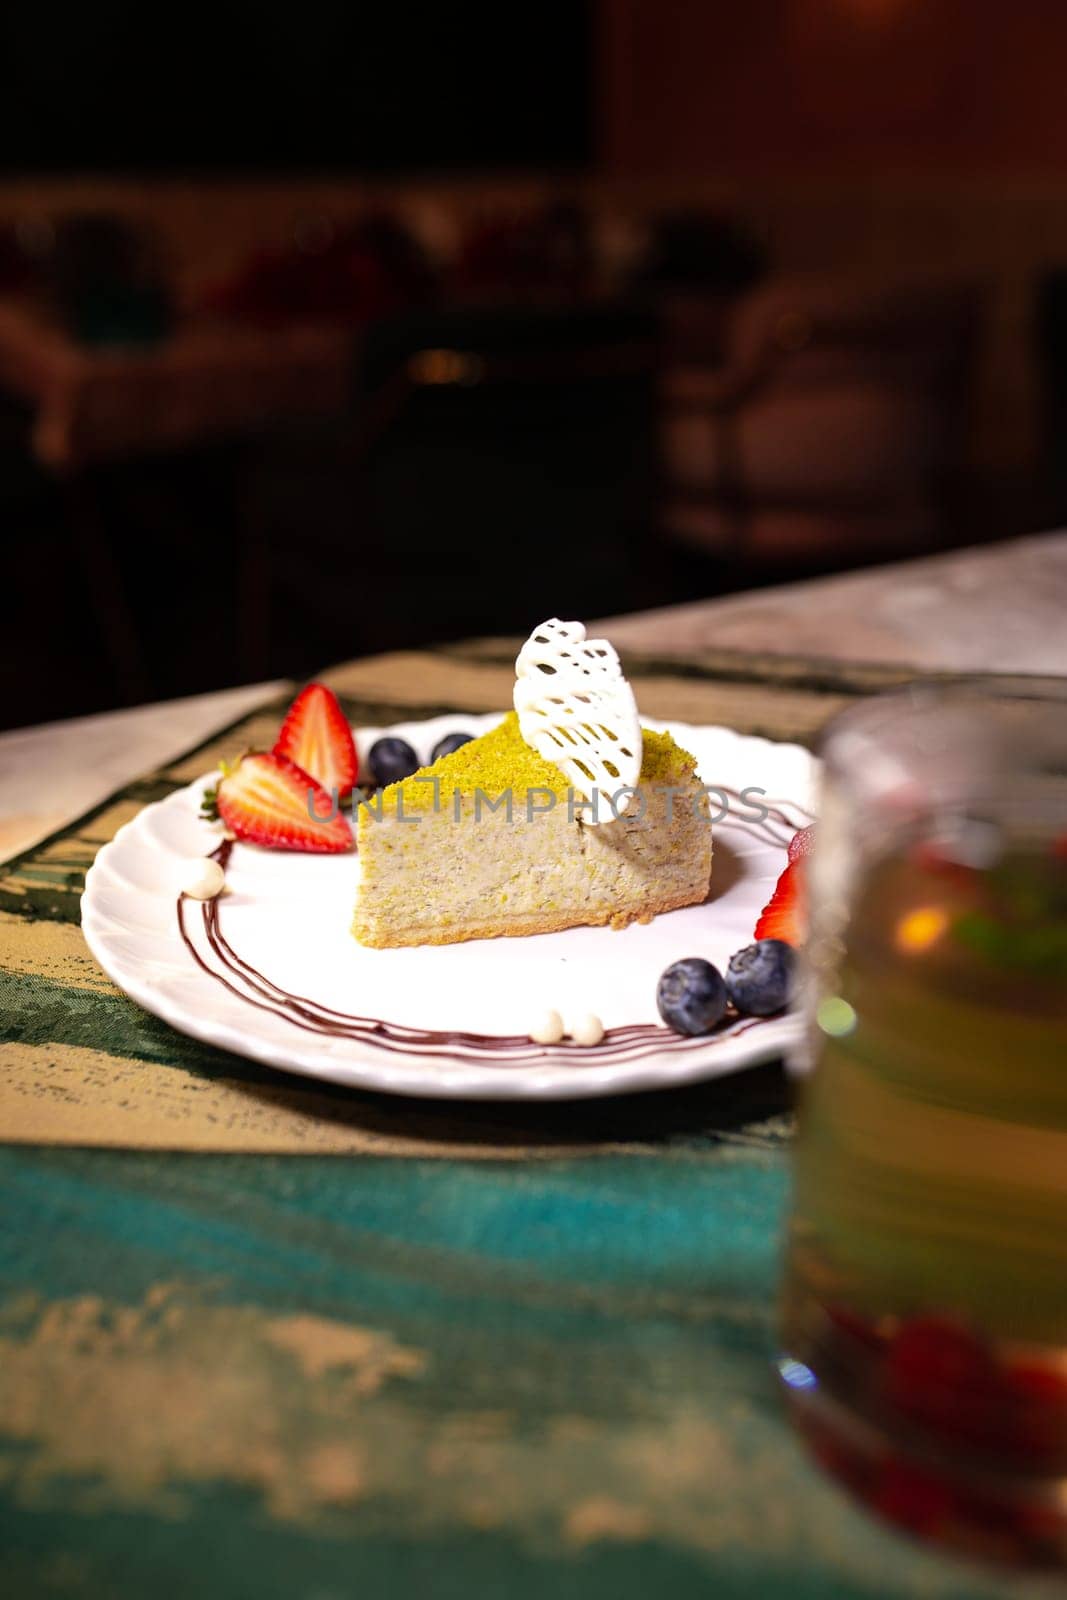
{"type": "Point", "coordinates": [750, 1106]}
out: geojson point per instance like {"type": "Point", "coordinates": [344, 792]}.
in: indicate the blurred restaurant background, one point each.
{"type": "Point", "coordinates": [352, 327]}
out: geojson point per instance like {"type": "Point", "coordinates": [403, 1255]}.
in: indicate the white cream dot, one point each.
{"type": "Point", "coordinates": [202, 878]}
{"type": "Point", "coordinates": [547, 1028]}
{"type": "Point", "coordinates": [586, 1029]}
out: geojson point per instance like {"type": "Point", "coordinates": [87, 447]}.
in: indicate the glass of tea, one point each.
{"type": "Point", "coordinates": [923, 1335]}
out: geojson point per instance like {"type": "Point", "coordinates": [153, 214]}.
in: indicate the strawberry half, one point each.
{"type": "Point", "coordinates": [781, 917]}
{"type": "Point", "coordinates": [269, 800]}
{"type": "Point", "coordinates": [316, 735]}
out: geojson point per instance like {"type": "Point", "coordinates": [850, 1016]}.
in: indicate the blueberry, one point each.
{"type": "Point", "coordinates": [759, 979]}
{"type": "Point", "coordinates": [392, 760]}
{"type": "Point", "coordinates": [691, 996]}
{"type": "Point", "coordinates": [450, 742]}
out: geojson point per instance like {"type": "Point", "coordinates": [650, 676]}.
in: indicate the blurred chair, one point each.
{"type": "Point", "coordinates": [831, 430]}
{"type": "Point", "coordinates": [499, 465]}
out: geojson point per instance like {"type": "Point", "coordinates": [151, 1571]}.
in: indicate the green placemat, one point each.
{"type": "Point", "coordinates": [541, 1366]}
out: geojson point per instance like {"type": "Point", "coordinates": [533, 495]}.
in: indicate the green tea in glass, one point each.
{"type": "Point", "coordinates": [924, 1320]}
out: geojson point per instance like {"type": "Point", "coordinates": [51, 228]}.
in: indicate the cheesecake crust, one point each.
{"type": "Point", "coordinates": [518, 928]}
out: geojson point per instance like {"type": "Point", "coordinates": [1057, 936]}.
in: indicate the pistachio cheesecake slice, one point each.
{"type": "Point", "coordinates": [496, 840]}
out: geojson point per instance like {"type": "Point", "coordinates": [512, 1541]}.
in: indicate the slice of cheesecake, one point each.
{"type": "Point", "coordinates": [492, 841]}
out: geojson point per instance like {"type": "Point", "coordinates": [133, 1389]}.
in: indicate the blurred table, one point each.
{"type": "Point", "coordinates": [206, 381]}
{"type": "Point", "coordinates": [994, 608]}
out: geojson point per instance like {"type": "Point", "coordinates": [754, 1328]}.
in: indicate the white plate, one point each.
{"type": "Point", "coordinates": [271, 971]}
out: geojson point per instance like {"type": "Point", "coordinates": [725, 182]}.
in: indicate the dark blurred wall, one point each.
{"type": "Point", "coordinates": [840, 86]}
{"type": "Point", "coordinates": [346, 86]}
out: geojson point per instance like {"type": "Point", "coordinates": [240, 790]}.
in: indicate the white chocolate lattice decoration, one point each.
{"type": "Point", "coordinates": [576, 709]}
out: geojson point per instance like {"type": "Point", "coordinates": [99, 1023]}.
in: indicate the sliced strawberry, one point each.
{"type": "Point", "coordinates": [781, 917]}
{"type": "Point", "coordinates": [944, 1378]}
{"type": "Point", "coordinates": [269, 800]}
{"type": "Point", "coordinates": [316, 735]}
{"type": "Point", "coordinates": [802, 843]}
